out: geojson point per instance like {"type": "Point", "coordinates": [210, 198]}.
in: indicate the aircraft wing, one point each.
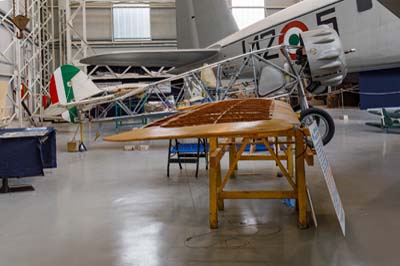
{"type": "Point", "coordinates": [154, 115]}
{"type": "Point", "coordinates": [391, 112]}
{"type": "Point", "coordinates": [392, 5]}
{"type": "Point", "coordinates": [375, 111]}
{"type": "Point", "coordinates": [58, 108]}
{"type": "Point", "coordinates": [218, 119]}
{"type": "Point", "coordinates": [152, 58]}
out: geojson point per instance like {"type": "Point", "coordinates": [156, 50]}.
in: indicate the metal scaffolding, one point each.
{"type": "Point", "coordinates": [32, 58]}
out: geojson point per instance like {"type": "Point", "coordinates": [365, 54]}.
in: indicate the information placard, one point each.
{"type": "Point", "coordinates": [328, 176]}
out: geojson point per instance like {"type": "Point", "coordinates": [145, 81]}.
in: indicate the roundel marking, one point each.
{"type": "Point", "coordinates": [290, 35]}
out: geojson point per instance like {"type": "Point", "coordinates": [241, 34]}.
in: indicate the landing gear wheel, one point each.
{"type": "Point", "coordinates": [324, 121]}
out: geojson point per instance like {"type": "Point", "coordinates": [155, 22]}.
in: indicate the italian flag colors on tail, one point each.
{"type": "Point", "coordinates": [61, 90]}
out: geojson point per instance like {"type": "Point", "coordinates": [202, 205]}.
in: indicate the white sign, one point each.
{"type": "Point", "coordinates": [328, 176]}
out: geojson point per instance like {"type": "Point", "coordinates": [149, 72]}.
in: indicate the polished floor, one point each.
{"type": "Point", "coordinates": [110, 207]}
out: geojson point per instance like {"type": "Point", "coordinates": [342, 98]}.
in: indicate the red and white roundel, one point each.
{"type": "Point", "coordinates": [290, 35]}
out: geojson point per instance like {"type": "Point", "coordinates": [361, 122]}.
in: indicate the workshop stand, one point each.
{"type": "Point", "coordinates": [289, 146]}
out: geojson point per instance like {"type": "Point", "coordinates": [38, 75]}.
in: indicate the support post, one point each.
{"type": "Point", "coordinates": [232, 156]}
{"type": "Point", "coordinates": [213, 186]}
{"type": "Point", "coordinates": [290, 156]}
{"type": "Point", "coordinates": [301, 180]}
{"type": "Point", "coordinates": [68, 36]}
{"type": "Point", "coordinates": [220, 200]}
{"type": "Point", "coordinates": [84, 32]}
{"type": "Point", "coordinates": [18, 74]}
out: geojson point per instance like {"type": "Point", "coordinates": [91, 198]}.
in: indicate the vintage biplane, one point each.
{"type": "Point", "coordinates": [320, 61]}
{"type": "Point", "coordinates": [73, 94]}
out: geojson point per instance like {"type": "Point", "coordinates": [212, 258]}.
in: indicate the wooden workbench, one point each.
{"type": "Point", "coordinates": [237, 123]}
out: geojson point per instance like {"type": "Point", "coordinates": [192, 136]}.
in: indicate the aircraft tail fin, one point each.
{"type": "Point", "coordinates": [200, 23]}
{"type": "Point", "coordinates": [69, 84]}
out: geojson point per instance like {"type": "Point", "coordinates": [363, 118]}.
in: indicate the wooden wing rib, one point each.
{"type": "Point", "coordinates": [244, 110]}
{"type": "Point", "coordinates": [221, 119]}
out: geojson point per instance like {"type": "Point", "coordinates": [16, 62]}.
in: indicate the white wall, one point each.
{"type": "Point", "coordinates": [163, 23]}
{"type": "Point", "coordinates": [98, 24]}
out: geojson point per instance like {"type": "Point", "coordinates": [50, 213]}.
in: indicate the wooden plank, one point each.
{"type": "Point", "coordinates": [216, 156]}
{"type": "Point", "coordinates": [260, 142]}
{"type": "Point", "coordinates": [309, 156]}
{"type": "Point", "coordinates": [261, 157]}
{"type": "Point", "coordinates": [220, 201]}
{"type": "Point", "coordinates": [232, 156]}
{"type": "Point", "coordinates": [258, 194]}
{"type": "Point", "coordinates": [212, 175]}
{"type": "Point", "coordinates": [289, 152]}
{"type": "Point", "coordinates": [301, 181]}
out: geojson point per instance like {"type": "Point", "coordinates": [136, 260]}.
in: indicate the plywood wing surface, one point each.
{"type": "Point", "coordinates": [221, 119]}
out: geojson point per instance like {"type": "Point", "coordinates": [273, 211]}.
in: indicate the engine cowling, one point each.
{"type": "Point", "coordinates": [325, 56]}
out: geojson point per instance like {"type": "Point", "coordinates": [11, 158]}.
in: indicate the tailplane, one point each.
{"type": "Point", "coordinates": [69, 84]}
{"type": "Point", "coordinates": [200, 23]}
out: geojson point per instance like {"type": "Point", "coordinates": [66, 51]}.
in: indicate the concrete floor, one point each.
{"type": "Point", "coordinates": [110, 207]}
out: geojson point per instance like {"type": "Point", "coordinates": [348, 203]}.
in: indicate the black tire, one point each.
{"type": "Point", "coordinates": [317, 113]}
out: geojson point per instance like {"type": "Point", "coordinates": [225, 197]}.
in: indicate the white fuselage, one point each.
{"type": "Point", "coordinates": [373, 33]}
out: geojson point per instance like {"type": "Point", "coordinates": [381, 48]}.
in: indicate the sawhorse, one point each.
{"type": "Point", "coordinates": [295, 154]}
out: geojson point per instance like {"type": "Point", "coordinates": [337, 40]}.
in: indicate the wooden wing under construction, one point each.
{"type": "Point", "coordinates": [220, 119]}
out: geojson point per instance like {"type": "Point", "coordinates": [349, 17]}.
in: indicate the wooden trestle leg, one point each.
{"type": "Point", "coordinates": [300, 180]}
{"type": "Point", "coordinates": [232, 155]}
{"type": "Point", "coordinates": [213, 184]}
{"type": "Point", "coordinates": [289, 152]}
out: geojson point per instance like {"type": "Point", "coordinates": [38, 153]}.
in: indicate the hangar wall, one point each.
{"type": "Point", "coordinates": [99, 26]}
{"type": "Point", "coordinates": [163, 23]}
{"type": "Point", "coordinates": [99, 21]}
